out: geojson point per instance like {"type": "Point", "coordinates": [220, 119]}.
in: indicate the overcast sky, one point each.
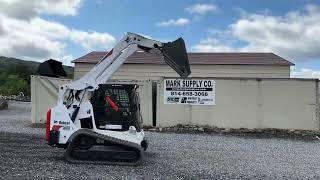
{"type": "Point", "coordinates": [67, 29]}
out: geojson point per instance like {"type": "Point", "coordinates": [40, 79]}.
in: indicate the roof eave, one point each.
{"type": "Point", "coordinates": [288, 64]}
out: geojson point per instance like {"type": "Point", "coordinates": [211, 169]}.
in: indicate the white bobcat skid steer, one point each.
{"type": "Point", "coordinates": [101, 123]}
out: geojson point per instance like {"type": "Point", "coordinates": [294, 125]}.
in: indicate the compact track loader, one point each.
{"type": "Point", "coordinates": [97, 122]}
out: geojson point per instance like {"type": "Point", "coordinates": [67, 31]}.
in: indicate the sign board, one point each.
{"type": "Point", "coordinates": [189, 91]}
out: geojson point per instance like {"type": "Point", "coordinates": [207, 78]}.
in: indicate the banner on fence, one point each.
{"type": "Point", "coordinates": [189, 91]}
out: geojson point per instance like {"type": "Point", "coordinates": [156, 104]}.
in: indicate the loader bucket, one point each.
{"type": "Point", "coordinates": [51, 68]}
{"type": "Point", "coordinates": [175, 55]}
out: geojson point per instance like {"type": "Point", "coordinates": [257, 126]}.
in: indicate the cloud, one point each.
{"type": "Point", "coordinates": [174, 22]}
{"type": "Point", "coordinates": [18, 10]}
{"type": "Point", "coordinates": [67, 58]}
{"type": "Point", "coordinates": [35, 38]}
{"type": "Point", "coordinates": [212, 45]}
{"type": "Point", "coordinates": [27, 10]}
{"type": "Point", "coordinates": [201, 8]}
{"type": "Point", "coordinates": [304, 73]}
{"type": "Point", "coordinates": [93, 40]}
{"type": "Point", "coordinates": [294, 36]}
{"type": "Point", "coordinates": [198, 9]}
{"type": "Point", "coordinates": [59, 7]}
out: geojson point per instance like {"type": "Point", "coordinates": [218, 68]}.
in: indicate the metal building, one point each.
{"type": "Point", "coordinates": [244, 90]}
{"type": "Point", "coordinates": [144, 66]}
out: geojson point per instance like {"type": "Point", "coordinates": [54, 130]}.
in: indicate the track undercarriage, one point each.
{"type": "Point", "coordinates": [87, 146]}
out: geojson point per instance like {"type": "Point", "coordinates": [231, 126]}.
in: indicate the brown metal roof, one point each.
{"type": "Point", "coordinates": [197, 58]}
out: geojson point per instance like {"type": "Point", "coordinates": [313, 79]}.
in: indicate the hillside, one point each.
{"type": "Point", "coordinates": [6, 62]}
{"type": "Point", "coordinates": [15, 75]}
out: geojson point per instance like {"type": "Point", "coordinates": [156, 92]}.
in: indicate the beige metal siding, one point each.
{"type": "Point", "coordinates": [44, 94]}
{"type": "Point", "coordinates": [251, 103]}
{"type": "Point", "coordinates": [240, 102]}
{"type": "Point", "coordinates": [154, 72]}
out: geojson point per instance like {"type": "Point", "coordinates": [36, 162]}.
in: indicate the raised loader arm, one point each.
{"type": "Point", "coordinates": [174, 54]}
{"type": "Point", "coordinates": [72, 124]}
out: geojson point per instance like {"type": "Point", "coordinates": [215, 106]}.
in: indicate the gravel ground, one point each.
{"type": "Point", "coordinates": [24, 155]}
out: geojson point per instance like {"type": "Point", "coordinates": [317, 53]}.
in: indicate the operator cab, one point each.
{"type": "Point", "coordinates": [116, 107]}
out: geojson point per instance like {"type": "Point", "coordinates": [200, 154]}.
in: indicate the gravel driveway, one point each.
{"type": "Point", "coordinates": [24, 155]}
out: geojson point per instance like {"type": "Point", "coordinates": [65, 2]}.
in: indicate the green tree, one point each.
{"type": "Point", "coordinates": [21, 70]}
{"type": "Point", "coordinates": [14, 85]}
{"type": "Point", "coordinates": [3, 77]}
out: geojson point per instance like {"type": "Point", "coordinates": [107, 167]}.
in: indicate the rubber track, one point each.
{"type": "Point", "coordinates": [90, 133]}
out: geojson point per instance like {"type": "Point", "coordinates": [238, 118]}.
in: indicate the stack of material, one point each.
{"type": "Point", "coordinates": [3, 104]}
